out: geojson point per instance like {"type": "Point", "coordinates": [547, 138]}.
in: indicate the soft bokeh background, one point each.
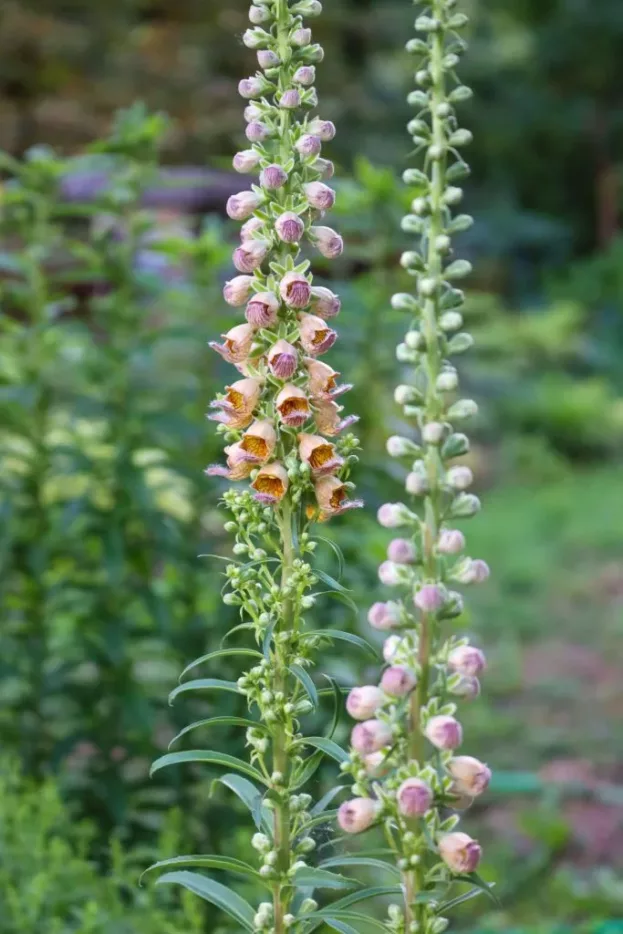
{"type": "Point", "coordinates": [104, 382]}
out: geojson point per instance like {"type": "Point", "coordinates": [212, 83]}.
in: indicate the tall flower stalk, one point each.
{"type": "Point", "coordinates": [404, 751]}
{"type": "Point", "coordinates": [281, 424]}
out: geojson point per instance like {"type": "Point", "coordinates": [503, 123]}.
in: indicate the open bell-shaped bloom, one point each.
{"type": "Point", "coordinates": [293, 406]}
{"type": "Point", "coordinates": [239, 403]}
{"type": "Point", "coordinates": [236, 343]}
{"type": "Point", "coordinates": [332, 497]}
{"type": "Point", "coordinates": [327, 418]}
{"type": "Point", "coordinates": [282, 359]}
{"type": "Point", "coordinates": [238, 467]}
{"type": "Point", "coordinates": [295, 290]}
{"type": "Point", "coordinates": [320, 454]}
{"type": "Point", "coordinates": [271, 484]}
{"type": "Point", "coordinates": [258, 442]}
{"type": "Point", "coordinates": [323, 380]}
{"type": "Point", "coordinates": [316, 337]}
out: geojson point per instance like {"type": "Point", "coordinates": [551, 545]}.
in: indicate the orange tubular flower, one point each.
{"type": "Point", "coordinates": [236, 343]}
{"type": "Point", "coordinates": [327, 418]}
{"type": "Point", "coordinates": [332, 497]}
{"type": "Point", "coordinates": [323, 380]}
{"type": "Point", "coordinates": [320, 454]}
{"type": "Point", "coordinates": [271, 484]}
{"type": "Point", "coordinates": [258, 442]}
{"type": "Point", "coordinates": [239, 404]}
{"type": "Point", "coordinates": [293, 406]}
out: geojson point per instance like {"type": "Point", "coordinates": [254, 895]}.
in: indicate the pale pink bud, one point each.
{"type": "Point", "coordinates": [273, 177]}
{"type": "Point", "coordinates": [416, 483]}
{"type": "Point", "coordinates": [246, 161]}
{"type": "Point", "coordinates": [242, 205]}
{"type": "Point", "coordinates": [293, 406]}
{"type": "Point", "coordinates": [429, 598]}
{"type": "Point", "coordinates": [451, 542]}
{"type": "Point", "coordinates": [320, 196]}
{"type": "Point", "coordinates": [289, 227]}
{"type": "Point", "coordinates": [323, 129]}
{"type": "Point", "coordinates": [250, 255]}
{"type": "Point", "coordinates": [301, 37]}
{"type": "Point", "coordinates": [327, 241]}
{"type": "Point", "coordinates": [466, 687]}
{"type": "Point", "coordinates": [401, 551]}
{"type": "Point", "coordinates": [398, 681]}
{"type": "Point", "coordinates": [305, 75]}
{"type": "Point", "coordinates": [250, 88]}
{"type": "Point", "coordinates": [357, 815]}
{"type": "Point", "coordinates": [236, 343]}
{"type": "Point", "coordinates": [375, 764]}
{"type": "Point", "coordinates": [390, 648]}
{"type": "Point", "coordinates": [261, 312]}
{"type": "Point", "coordinates": [468, 660]}
{"type": "Point", "coordinates": [282, 359]}
{"type": "Point", "coordinates": [320, 454]}
{"type": "Point", "coordinates": [267, 58]}
{"type": "Point", "coordinates": [237, 290]}
{"type": "Point", "coordinates": [414, 798]}
{"type": "Point", "coordinates": [459, 478]}
{"type": "Point", "coordinates": [476, 572]}
{"type": "Point", "coordinates": [384, 616]}
{"type": "Point", "coordinates": [362, 703]}
{"type": "Point", "coordinates": [397, 446]}
{"type": "Point", "coordinates": [444, 732]}
{"type": "Point", "coordinates": [253, 226]}
{"type": "Point", "coordinates": [316, 337]}
{"type": "Point", "coordinates": [271, 484]}
{"type": "Point", "coordinates": [257, 132]}
{"type": "Point", "coordinates": [295, 290]}
{"type": "Point", "coordinates": [253, 112]}
{"type": "Point", "coordinates": [308, 145]}
{"type": "Point", "coordinates": [332, 497]}
{"type": "Point", "coordinates": [460, 852]}
{"type": "Point", "coordinates": [290, 99]}
{"type": "Point", "coordinates": [371, 736]}
{"type": "Point", "coordinates": [325, 167]}
{"type": "Point", "coordinates": [324, 302]}
{"type": "Point", "coordinates": [470, 776]}
{"type": "Point", "coordinates": [392, 515]}
{"type": "Point", "coordinates": [433, 433]}
{"type": "Point", "coordinates": [390, 574]}
{"type": "Point", "coordinates": [259, 14]}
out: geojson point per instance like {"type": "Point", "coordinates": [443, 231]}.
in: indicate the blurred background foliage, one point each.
{"type": "Point", "coordinates": [107, 305]}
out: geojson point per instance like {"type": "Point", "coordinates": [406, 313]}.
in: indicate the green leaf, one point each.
{"type": "Point", "coordinates": [364, 894]}
{"type": "Point", "coordinates": [220, 653]}
{"type": "Point", "coordinates": [326, 745]}
{"type": "Point", "coordinates": [368, 861]}
{"type": "Point", "coordinates": [208, 757]}
{"type": "Point", "coordinates": [250, 797]}
{"type": "Point", "coordinates": [337, 551]}
{"type": "Point", "coordinates": [339, 635]}
{"type": "Point", "coordinates": [319, 819]}
{"type": "Point", "coordinates": [322, 916]}
{"type": "Point", "coordinates": [217, 721]}
{"type": "Point", "coordinates": [209, 862]}
{"type": "Point", "coordinates": [337, 706]}
{"type": "Point", "coordinates": [301, 675]}
{"type": "Point", "coordinates": [319, 806]}
{"type": "Point", "coordinates": [340, 926]}
{"type": "Point", "coordinates": [237, 628]}
{"type": "Point", "coordinates": [321, 879]}
{"type": "Point", "coordinates": [203, 684]}
{"type": "Point", "coordinates": [480, 884]}
{"type": "Point", "coordinates": [308, 769]}
{"type": "Point", "coordinates": [215, 893]}
{"type": "Point", "coordinates": [453, 902]}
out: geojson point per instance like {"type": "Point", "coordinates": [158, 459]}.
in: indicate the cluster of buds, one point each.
{"type": "Point", "coordinates": [281, 419]}
{"type": "Point", "coordinates": [405, 760]}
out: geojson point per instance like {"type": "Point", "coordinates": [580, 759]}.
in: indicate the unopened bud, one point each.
{"type": "Point", "coordinates": [468, 660]}
{"type": "Point", "coordinates": [444, 732]}
{"type": "Point", "coordinates": [357, 815]}
{"type": "Point", "coordinates": [415, 798]}
{"type": "Point", "coordinates": [363, 702]}
{"type": "Point", "coordinates": [397, 681]}
{"type": "Point", "coordinates": [460, 852]}
{"type": "Point", "coordinates": [370, 736]}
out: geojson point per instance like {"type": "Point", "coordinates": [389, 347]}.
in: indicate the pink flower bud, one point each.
{"type": "Point", "coordinates": [237, 290]}
{"type": "Point", "coordinates": [475, 572]}
{"type": "Point", "coordinates": [250, 88]}
{"type": "Point", "coordinates": [468, 660]}
{"type": "Point", "coordinates": [267, 59]}
{"type": "Point", "coordinates": [253, 112]}
{"type": "Point", "coordinates": [324, 302]}
{"type": "Point", "coordinates": [258, 15]}
{"type": "Point", "coordinates": [357, 815]}
{"type": "Point", "coordinates": [242, 205]}
{"type": "Point", "coordinates": [246, 161]}
{"type": "Point", "coordinates": [375, 764]}
{"type": "Point", "coordinates": [362, 703]}
{"type": "Point", "coordinates": [391, 647]}
{"type": "Point", "coordinates": [305, 75]}
{"type": "Point", "coordinates": [466, 687]}
{"type": "Point", "coordinates": [250, 255]}
{"type": "Point", "coordinates": [384, 616]}
{"type": "Point", "coordinates": [301, 37]}
{"type": "Point", "coordinates": [370, 736]}
{"type": "Point", "coordinates": [398, 681]}
{"type": "Point", "coordinates": [289, 227]}
{"type": "Point", "coordinates": [320, 196]}
{"type": "Point", "coordinates": [451, 542]}
{"type": "Point", "coordinates": [257, 132]}
{"type": "Point", "coordinates": [459, 478]}
{"type": "Point", "coordinates": [282, 360]}
{"type": "Point", "coordinates": [414, 798]}
{"type": "Point", "coordinates": [429, 598]}
{"type": "Point", "coordinates": [261, 312]}
{"type": "Point", "coordinates": [308, 145]}
{"type": "Point", "coordinates": [401, 551]}
{"type": "Point", "coordinates": [459, 852]}
{"type": "Point", "coordinates": [433, 433]}
{"type": "Point", "coordinates": [327, 241]}
{"type": "Point", "coordinates": [295, 290]}
{"type": "Point", "coordinates": [323, 129]}
{"type": "Point", "coordinates": [253, 226]}
{"type": "Point", "coordinates": [325, 167]}
{"type": "Point", "coordinates": [470, 776]}
{"type": "Point", "coordinates": [392, 515]}
{"type": "Point", "coordinates": [416, 483]}
{"type": "Point", "coordinates": [316, 337]}
{"type": "Point", "coordinates": [290, 99]}
{"type": "Point", "coordinates": [293, 406]}
{"type": "Point", "coordinates": [444, 732]}
{"type": "Point", "coordinates": [390, 574]}
{"type": "Point", "coordinates": [273, 177]}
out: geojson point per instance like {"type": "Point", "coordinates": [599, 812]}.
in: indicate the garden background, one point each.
{"type": "Point", "coordinates": [110, 278]}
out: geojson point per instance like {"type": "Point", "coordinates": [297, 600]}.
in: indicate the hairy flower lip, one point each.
{"type": "Point", "coordinates": [239, 403]}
